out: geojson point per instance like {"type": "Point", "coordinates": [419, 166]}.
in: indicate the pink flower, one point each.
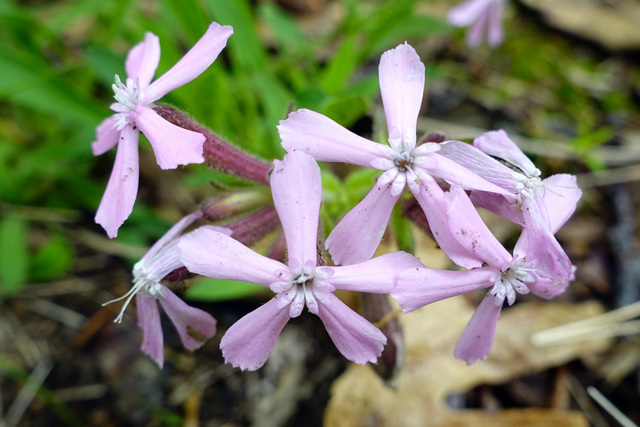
{"type": "Point", "coordinates": [357, 236]}
{"type": "Point", "coordinates": [482, 16]}
{"type": "Point", "coordinates": [296, 188]}
{"type": "Point", "coordinates": [193, 325]}
{"type": "Point", "coordinates": [530, 269]}
{"type": "Point", "coordinates": [532, 206]}
{"type": "Point", "coordinates": [172, 145]}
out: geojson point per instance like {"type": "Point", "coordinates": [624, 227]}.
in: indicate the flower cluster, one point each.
{"type": "Point", "coordinates": [448, 180]}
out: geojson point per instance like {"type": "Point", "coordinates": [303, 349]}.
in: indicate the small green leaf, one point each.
{"type": "Point", "coordinates": [222, 290]}
{"type": "Point", "coordinates": [346, 110]}
{"type": "Point", "coordinates": [14, 255]}
{"type": "Point", "coordinates": [51, 260]}
{"type": "Point", "coordinates": [359, 183]}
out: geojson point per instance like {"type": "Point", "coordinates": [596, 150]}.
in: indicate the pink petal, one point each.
{"type": "Point", "coordinates": [213, 254]}
{"type": "Point", "coordinates": [172, 145]}
{"type": "Point", "coordinates": [192, 64]}
{"type": "Point", "coordinates": [149, 322]}
{"type": "Point", "coordinates": [537, 244]}
{"type": "Point", "coordinates": [434, 204]}
{"type": "Point", "coordinates": [498, 144]}
{"type": "Point", "coordinates": [297, 190]}
{"type": "Point", "coordinates": [418, 287]}
{"type": "Point", "coordinates": [142, 60]}
{"type": "Point", "coordinates": [401, 86]}
{"type": "Point", "coordinates": [120, 194]}
{"type": "Point", "coordinates": [356, 338]}
{"type": "Point", "coordinates": [327, 141]}
{"type": "Point", "coordinates": [477, 338]}
{"type": "Point", "coordinates": [194, 325]}
{"type": "Point", "coordinates": [481, 164]}
{"type": "Point", "coordinates": [358, 234]}
{"type": "Point", "coordinates": [476, 31]}
{"type": "Point", "coordinates": [464, 14]}
{"type": "Point", "coordinates": [455, 173]}
{"type": "Point", "coordinates": [107, 136]}
{"type": "Point", "coordinates": [547, 288]}
{"type": "Point", "coordinates": [248, 342]}
{"type": "Point", "coordinates": [495, 34]}
{"type": "Point", "coordinates": [471, 232]}
{"type": "Point", "coordinates": [498, 205]}
{"type": "Point", "coordinates": [173, 233]}
{"type": "Point", "coordinates": [376, 275]}
{"type": "Point", "coordinates": [560, 198]}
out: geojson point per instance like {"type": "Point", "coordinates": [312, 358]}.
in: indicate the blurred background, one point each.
{"type": "Point", "coordinates": [565, 85]}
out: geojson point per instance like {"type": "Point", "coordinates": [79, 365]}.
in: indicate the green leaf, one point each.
{"type": "Point", "coordinates": [287, 35]}
{"type": "Point", "coordinates": [359, 183]}
{"type": "Point", "coordinates": [402, 229]}
{"type": "Point", "coordinates": [245, 46]}
{"type": "Point", "coordinates": [14, 256]}
{"type": "Point", "coordinates": [222, 290]}
{"type": "Point", "coordinates": [29, 82]}
{"type": "Point", "coordinates": [105, 64]}
{"type": "Point", "coordinates": [346, 109]}
{"type": "Point", "coordinates": [342, 66]}
{"type": "Point", "coordinates": [51, 260]}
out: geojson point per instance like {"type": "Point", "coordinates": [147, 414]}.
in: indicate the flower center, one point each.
{"type": "Point", "coordinates": [142, 282]}
{"type": "Point", "coordinates": [127, 96]}
{"type": "Point", "coordinates": [513, 279]}
{"type": "Point", "coordinates": [404, 161]}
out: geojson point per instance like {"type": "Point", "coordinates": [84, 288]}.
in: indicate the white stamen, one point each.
{"type": "Point", "coordinates": [142, 282]}
{"type": "Point", "coordinates": [510, 281]}
{"type": "Point", "coordinates": [128, 97]}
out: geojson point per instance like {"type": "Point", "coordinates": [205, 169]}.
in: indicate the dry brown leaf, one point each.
{"type": "Point", "coordinates": [359, 397]}
{"type": "Point", "coordinates": [613, 24]}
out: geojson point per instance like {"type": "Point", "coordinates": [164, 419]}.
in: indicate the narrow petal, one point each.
{"type": "Point", "coordinates": [107, 136]}
{"type": "Point", "coordinates": [172, 145]}
{"type": "Point", "coordinates": [497, 204]}
{"type": "Point", "coordinates": [538, 245]}
{"type": "Point", "coordinates": [464, 14]}
{"type": "Point", "coordinates": [143, 59]}
{"type": "Point", "coordinates": [547, 288]}
{"type": "Point", "coordinates": [454, 173]}
{"type": "Point", "coordinates": [377, 275]}
{"type": "Point", "coordinates": [193, 325]}
{"type": "Point", "coordinates": [418, 287]}
{"type": "Point", "coordinates": [248, 342]}
{"type": "Point", "coordinates": [173, 233]}
{"type": "Point", "coordinates": [358, 234]}
{"type": "Point", "coordinates": [477, 337]}
{"type": "Point", "coordinates": [481, 164]}
{"type": "Point", "coordinates": [120, 194]}
{"type": "Point", "coordinates": [401, 86]}
{"type": "Point", "coordinates": [560, 198]}
{"type": "Point", "coordinates": [327, 141]}
{"type": "Point", "coordinates": [472, 232]}
{"type": "Point", "coordinates": [192, 64]}
{"type": "Point", "coordinates": [356, 338]}
{"type": "Point", "coordinates": [213, 254]}
{"type": "Point", "coordinates": [498, 144]}
{"type": "Point", "coordinates": [149, 322]}
{"type": "Point", "coordinates": [434, 204]}
{"type": "Point", "coordinates": [297, 191]}
{"type": "Point", "coordinates": [475, 33]}
{"type": "Point", "coordinates": [495, 33]}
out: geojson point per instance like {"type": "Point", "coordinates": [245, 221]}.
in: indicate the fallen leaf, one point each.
{"type": "Point", "coordinates": [431, 373]}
